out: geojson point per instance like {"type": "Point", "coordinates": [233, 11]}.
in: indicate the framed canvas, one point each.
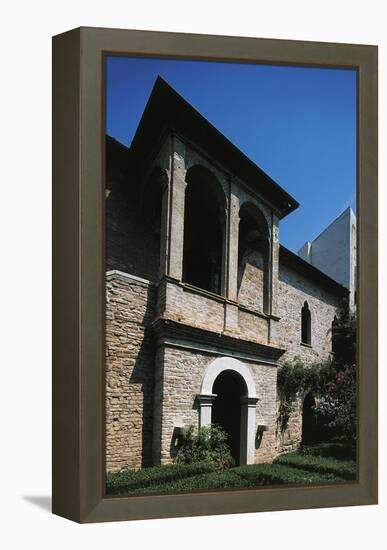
{"type": "Point", "coordinates": [213, 353]}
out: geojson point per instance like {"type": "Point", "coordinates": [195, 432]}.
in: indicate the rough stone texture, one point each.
{"type": "Point", "coordinates": [253, 327]}
{"type": "Point", "coordinates": [190, 307]}
{"type": "Point", "coordinates": [289, 439]}
{"type": "Point", "coordinates": [129, 372]}
{"type": "Point", "coordinates": [251, 280]}
{"type": "Point", "coordinates": [294, 290]}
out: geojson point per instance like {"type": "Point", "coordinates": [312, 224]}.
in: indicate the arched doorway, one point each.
{"type": "Point", "coordinates": [228, 398]}
{"type": "Point", "coordinates": [309, 422]}
{"type": "Point", "coordinates": [229, 387]}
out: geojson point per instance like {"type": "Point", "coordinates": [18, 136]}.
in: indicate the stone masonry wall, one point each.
{"type": "Point", "coordinates": [294, 290]}
{"type": "Point", "coordinates": [253, 327]}
{"type": "Point", "coordinates": [192, 307]}
{"type": "Point", "coordinates": [183, 372]}
{"type": "Point", "coordinates": [129, 371]}
{"type": "Point", "coordinates": [251, 280]}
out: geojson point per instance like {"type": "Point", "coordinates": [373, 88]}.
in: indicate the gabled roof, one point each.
{"type": "Point", "coordinates": [167, 110]}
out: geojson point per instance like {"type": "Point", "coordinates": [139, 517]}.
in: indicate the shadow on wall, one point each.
{"type": "Point", "coordinates": [143, 376]}
{"type": "Point", "coordinates": [132, 219]}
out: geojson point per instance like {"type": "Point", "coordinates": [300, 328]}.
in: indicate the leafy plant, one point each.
{"type": "Point", "coordinates": [295, 378]}
{"type": "Point", "coordinates": [333, 381]}
{"type": "Point", "coordinates": [340, 391]}
{"type": "Point", "coordinates": [205, 444]}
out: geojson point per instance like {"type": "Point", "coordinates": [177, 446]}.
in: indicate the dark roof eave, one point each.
{"type": "Point", "coordinates": [167, 109]}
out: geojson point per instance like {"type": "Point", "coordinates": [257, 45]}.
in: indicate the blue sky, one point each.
{"type": "Point", "coordinates": [297, 123]}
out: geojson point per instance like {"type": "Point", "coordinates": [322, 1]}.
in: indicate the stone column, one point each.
{"type": "Point", "coordinates": [223, 221]}
{"type": "Point", "coordinates": [177, 203]}
{"type": "Point", "coordinates": [205, 409]}
{"type": "Point", "coordinates": [172, 213]}
{"type": "Point", "coordinates": [165, 224]}
{"type": "Point", "coordinates": [248, 414]}
{"type": "Point", "coordinates": [232, 245]}
{"type": "Point", "coordinates": [274, 267]}
{"type": "Point", "coordinates": [231, 313]}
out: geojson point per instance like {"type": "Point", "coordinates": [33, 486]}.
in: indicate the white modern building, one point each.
{"type": "Point", "coordinates": [334, 251]}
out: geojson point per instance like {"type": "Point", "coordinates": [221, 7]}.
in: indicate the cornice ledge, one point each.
{"type": "Point", "coordinates": [171, 332]}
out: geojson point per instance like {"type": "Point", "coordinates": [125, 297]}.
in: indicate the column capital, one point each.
{"type": "Point", "coordinates": [206, 399]}
{"type": "Point", "coordinates": [249, 401]}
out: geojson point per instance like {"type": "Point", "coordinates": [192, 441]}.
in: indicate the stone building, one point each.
{"type": "Point", "coordinates": [202, 302]}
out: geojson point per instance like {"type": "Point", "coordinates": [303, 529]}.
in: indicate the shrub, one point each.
{"type": "Point", "coordinates": [129, 480]}
{"type": "Point", "coordinates": [341, 396]}
{"type": "Point", "coordinates": [205, 444]}
{"type": "Point", "coordinates": [319, 464]}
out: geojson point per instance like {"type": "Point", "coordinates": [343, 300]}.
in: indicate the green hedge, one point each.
{"type": "Point", "coordinates": [214, 480]}
{"type": "Point", "coordinates": [129, 480]}
{"type": "Point", "coordinates": [241, 477]}
{"type": "Point", "coordinates": [319, 464]}
{"type": "Point", "coordinates": [302, 468]}
{"type": "Point", "coordinates": [339, 450]}
{"type": "Point", "coordinates": [279, 474]}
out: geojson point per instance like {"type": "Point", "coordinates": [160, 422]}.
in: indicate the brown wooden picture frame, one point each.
{"type": "Point", "coordinates": [79, 272]}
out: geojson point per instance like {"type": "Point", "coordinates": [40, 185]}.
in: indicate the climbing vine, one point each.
{"type": "Point", "coordinates": [295, 379]}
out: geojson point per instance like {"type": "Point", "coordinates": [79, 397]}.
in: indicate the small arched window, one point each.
{"type": "Point", "coordinates": [305, 324]}
{"type": "Point", "coordinates": [334, 334]}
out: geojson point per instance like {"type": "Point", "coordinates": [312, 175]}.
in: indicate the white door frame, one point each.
{"type": "Point", "coordinates": [248, 403]}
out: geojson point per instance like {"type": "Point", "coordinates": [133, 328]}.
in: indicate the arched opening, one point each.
{"type": "Point", "coordinates": [204, 228]}
{"type": "Point", "coordinates": [236, 385]}
{"type": "Point", "coordinates": [309, 420]}
{"type": "Point", "coordinates": [152, 204]}
{"type": "Point", "coordinates": [306, 324]}
{"type": "Point", "coordinates": [253, 258]}
{"type": "Point", "coordinates": [229, 387]}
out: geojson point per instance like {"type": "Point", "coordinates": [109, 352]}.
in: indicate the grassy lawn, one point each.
{"type": "Point", "coordinates": [325, 463]}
